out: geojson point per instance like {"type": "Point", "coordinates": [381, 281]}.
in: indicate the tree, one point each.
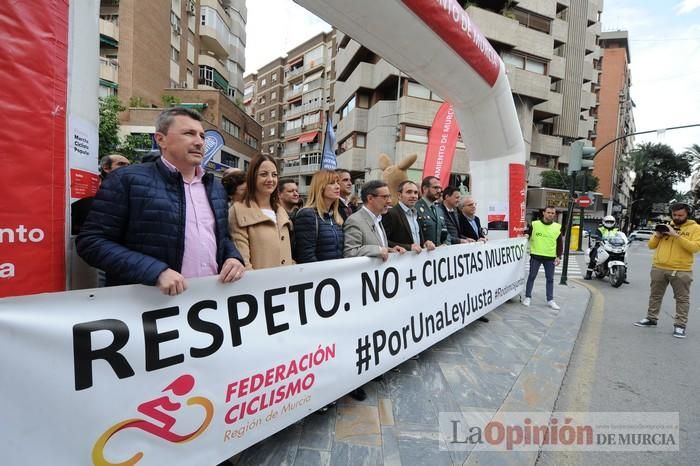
{"type": "Point", "coordinates": [109, 108]}
{"type": "Point", "coordinates": [657, 168]}
{"type": "Point", "coordinates": [693, 154]}
{"type": "Point", "coordinates": [170, 100]}
{"type": "Point", "coordinates": [558, 180]}
{"type": "Point", "coordinates": [135, 145]}
{"type": "Point", "coordinates": [555, 179]}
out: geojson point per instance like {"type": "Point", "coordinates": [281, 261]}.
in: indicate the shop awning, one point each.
{"type": "Point", "coordinates": [307, 137]}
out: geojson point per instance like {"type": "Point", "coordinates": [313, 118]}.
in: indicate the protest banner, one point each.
{"type": "Point", "coordinates": [127, 375]}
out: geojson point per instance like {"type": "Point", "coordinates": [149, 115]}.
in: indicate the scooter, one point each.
{"type": "Point", "coordinates": [611, 257]}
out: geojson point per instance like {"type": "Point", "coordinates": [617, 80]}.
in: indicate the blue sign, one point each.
{"type": "Point", "coordinates": [213, 141]}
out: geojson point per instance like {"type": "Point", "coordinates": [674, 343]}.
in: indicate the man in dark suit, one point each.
{"type": "Point", "coordinates": [430, 217]}
{"type": "Point", "coordinates": [401, 221]}
{"type": "Point", "coordinates": [450, 211]}
{"type": "Point", "coordinates": [469, 223]}
{"type": "Point", "coordinates": [345, 180]}
{"type": "Point", "coordinates": [469, 226]}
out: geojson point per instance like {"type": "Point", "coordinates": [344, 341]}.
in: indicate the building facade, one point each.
{"type": "Point", "coordinates": [161, 53]}
{"type": "Point", "coordinates": [291, 98]}
{"type": "Point", "coordinates": [615, 119]}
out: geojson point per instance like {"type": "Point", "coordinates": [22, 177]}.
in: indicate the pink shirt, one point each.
{"type": "Point", "coordinates": [199, 259]}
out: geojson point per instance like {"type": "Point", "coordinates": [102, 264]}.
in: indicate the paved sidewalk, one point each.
{"type": "Point", "coordinates": [516, 362]}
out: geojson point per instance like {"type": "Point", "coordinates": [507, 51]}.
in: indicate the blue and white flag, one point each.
{"type": "Point", "coordinates": [213, 141]}
{"type": "Point", "coordinates": [329, 162]}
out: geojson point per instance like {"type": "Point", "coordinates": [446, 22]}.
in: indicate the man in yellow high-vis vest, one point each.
{"type": "Point", "coordinates": [546, 248]}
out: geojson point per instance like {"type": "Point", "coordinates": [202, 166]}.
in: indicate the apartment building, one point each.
{"type": "Point", "coordinates": [380, 110]}
{"type": "Point", "coordinates": [192, 52]}
{"type": "Point", "coordinates": [291, 97]}
{"type": "Point", "coordinates": [614, 119]}
{"type": "Point", "coordinates": [548, 47]}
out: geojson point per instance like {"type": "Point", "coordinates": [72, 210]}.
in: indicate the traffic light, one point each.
{"type": "Point", "coordinates": [581, 156]}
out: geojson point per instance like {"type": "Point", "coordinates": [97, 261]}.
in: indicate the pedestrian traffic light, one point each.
{"type": "Point", "coordinates": [581, 156]}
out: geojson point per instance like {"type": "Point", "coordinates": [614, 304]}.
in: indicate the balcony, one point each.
{"type": "Point", "coordinates": [499, 28]}
{"type": "Point", "coordinates": [552, 107]}
{"type": "Point", "coordinates": [528, 83]}
{"type": "Point", "coordinates": [290, 94]}
{"type": "Point", "coordinates": [545, 144]}
{"type": "Point", "coordinates": [207, 60]}
{"type": "Point", "coordinates": [291, 74]}
{"type": "Point", "coordinates": [311, 148]}
{"type": "Point", "coordinates": [557, 67]}
{"type": "Point", "coordinates": [300, 110]}
{"type": "Point", "coordinates": [109, 32]}
{"type": "Point", "coordinates": [560, 31]}
{"type": "Point", "coordinates": [109, 69]}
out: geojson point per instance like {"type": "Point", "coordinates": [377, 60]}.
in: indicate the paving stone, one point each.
{"type": "Point", "coordinates": [345, 454]}
{"type": "Point", "coordinates": [386, 415]}
{"type": "Point", "coordinates": [358, 424]}
{"type": "Point", "coordinates": [308, 457]}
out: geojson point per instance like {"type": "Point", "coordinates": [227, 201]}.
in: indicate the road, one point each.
{"type": "Point", "coordinates": [617, 367]}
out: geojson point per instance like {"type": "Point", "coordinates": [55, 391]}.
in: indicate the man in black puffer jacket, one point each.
{"type": "Point", "coordinates": [161, 222]}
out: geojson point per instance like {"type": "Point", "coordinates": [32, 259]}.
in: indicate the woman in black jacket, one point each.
{"type": "Point", "coordinates": [318, 227]}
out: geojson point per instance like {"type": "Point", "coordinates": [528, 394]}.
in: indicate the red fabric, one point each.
{"type": "Point", "coordinates": [516, 200]}
{"type": "Point", "coordinates": [33, 73]}
{"type": "Point", "coordinates": [307, 137]}
{"type": "Point", "coordinates": [441, 145]}
{"type": "Point", "coordinates": [452, 24]}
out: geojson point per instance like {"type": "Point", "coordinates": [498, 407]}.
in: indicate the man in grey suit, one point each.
{"type": "Point", "coordinates": [364, 233]}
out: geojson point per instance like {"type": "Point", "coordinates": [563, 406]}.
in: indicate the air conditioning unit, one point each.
{"type": "Point", "coordinates": [191, 7]}
{"type": "Point", "coordinates": [176, 29]}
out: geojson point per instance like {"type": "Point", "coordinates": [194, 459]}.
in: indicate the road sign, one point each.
{"type": "Point", "coordinates": [584, 201]}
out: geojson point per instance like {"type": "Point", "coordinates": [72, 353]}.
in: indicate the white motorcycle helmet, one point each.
{"type": "Point", "coordinates": [609, 221]}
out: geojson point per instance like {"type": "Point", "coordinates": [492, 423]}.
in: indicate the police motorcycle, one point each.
{"type": "Point", "coordinates": [611, 256]}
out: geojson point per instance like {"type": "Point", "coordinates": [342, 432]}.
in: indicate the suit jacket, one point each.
{"type": "Point", "coordinates": [432, 224]}
{"type": "Point", "coordinates": [361, 236]}
{"type": "Point", "coordinates": [398, 230]}
{"type": "Point", "coordinates": [466, 230]}
{"type": "Point", "coordinates": [452, 223]}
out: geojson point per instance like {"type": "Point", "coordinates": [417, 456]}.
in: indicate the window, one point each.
{"type": "Point", "coordinates": [246, 164]}
{"type": "Point", "coordinates": [229, 159]}
{"type": "Point", "coordinates": [415, 134]}
{"type": "Point", "coordinates": [532, 20]}
{"type": "Point", "coordinates": [230, 127]}
{"type": "Point", "coordinates": [354, 140]}
{"type": "Point", "coordinates": [263, 82]}
{"type": "Point", "coordinates": [273, 114]}
{"type": "Point", "coordinates": [347, 108]}
{"type": "Point", "coordinates": [261, 117]}
{"type": "Point", "coordinates": [272, 131]}
{"type": "Point", "coordinates": [174, 54]}
{"type": "Point", "coordinates": [274, 77]}
{"type": "Point", "coordinates": [273, 96]}
{"type": "Point", "coordinates": [251, 141]}
{"type": "Point", "coordinates": [525, 62]}
{"type": "Point", "coordinates": [542, 161]}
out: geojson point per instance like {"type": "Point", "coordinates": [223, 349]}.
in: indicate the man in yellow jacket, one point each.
{"type": "Point", "coordinates": [673, 263]}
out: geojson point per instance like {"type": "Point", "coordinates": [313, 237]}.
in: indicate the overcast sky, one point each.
{"type": "Point", "coordinates": [664, 48]}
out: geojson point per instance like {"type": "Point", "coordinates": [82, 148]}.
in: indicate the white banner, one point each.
{"type": "Point", "coordinates": [126, 375]}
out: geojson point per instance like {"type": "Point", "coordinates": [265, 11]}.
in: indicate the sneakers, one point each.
{"type": "Point", "coordinates": [679, 332]}
{"type": "Point", "coordinates": [645, 323]}
{"type": "Point", "coordinates": [589, 275]}
{"type": "Point", "coordinates": [553, 305]}
{"type": "Point", "coordinates": [526, 301]}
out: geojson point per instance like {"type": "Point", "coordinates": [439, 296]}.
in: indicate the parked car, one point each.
{"type": "Point", "coordinates": [641, 235]}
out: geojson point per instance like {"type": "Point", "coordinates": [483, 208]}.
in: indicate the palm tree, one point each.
{"type": "Point", "coordinates": [693, 153]}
